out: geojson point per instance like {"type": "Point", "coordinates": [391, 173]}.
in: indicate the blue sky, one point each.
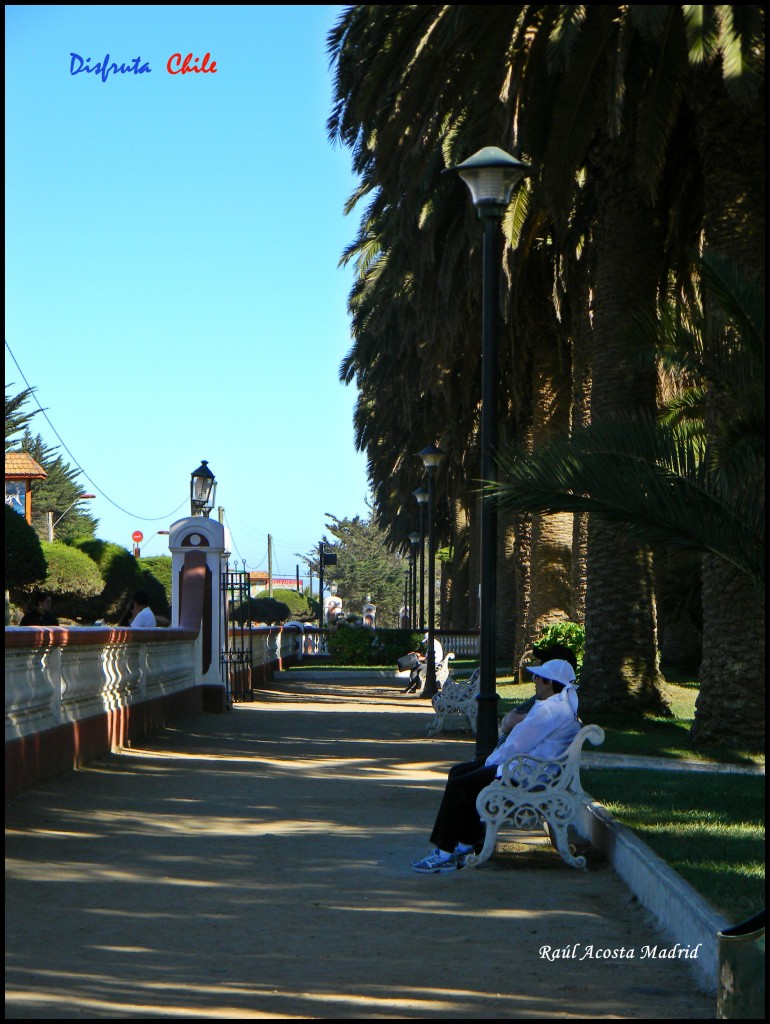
{"type": "Point", "coordinates": [172, 282]}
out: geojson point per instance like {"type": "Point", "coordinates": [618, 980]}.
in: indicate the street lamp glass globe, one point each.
{"type": "Point", "coordinates": [432, 456]}
{"type": "Point", "coordinates": [492, 175]}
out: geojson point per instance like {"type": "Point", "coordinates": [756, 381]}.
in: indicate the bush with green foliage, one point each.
{"type": "Point", "coordinates": [261, 609]}
{"type": "Point", "coordinates": [71, 577]}
{"type": "Point", "coordinates": [24, 559]}
{"type": "Point", "coordinates": [570, 634]}
{"type": "Point", "coordinates": [351, 643]}
{"type": "Point", "coordinates": [298, 604]}
{"type": "Point", "coordinates": [392, 644]}
{"type": "Point", "coordinates": [121, 578]}
{"type": "Point", "coordinates": [156, 580]}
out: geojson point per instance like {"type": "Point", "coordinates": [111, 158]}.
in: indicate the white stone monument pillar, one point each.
{"type": "Point", "coordinates": [199, 551]}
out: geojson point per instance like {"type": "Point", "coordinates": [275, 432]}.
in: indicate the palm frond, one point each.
{"type": "Point", "coordinates": [649, 481]}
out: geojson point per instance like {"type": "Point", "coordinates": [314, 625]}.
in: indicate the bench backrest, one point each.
{"type": "Point", "coordinates": [535, 774]}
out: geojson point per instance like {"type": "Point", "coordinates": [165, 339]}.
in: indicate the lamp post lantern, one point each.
{"type": "Point", "coordinates": [491, 175]}
{"type": "Point", "coordinates": [421, 497]}
{"type": "Point", "coordinates": [203, 487]}
{"type": "Point", "coordinates": [431, 458]}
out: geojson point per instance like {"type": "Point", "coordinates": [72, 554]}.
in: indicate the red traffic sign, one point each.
{"type": "Point", "coordinates": [136, 536]}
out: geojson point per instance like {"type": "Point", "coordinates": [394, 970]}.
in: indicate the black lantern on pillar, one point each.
{"type": "Point", "coordinates": [431, 458]}
{"type": "Point", "coordinates": [491, 175]}
{"type": "Point", "coordinates": [203, 487]}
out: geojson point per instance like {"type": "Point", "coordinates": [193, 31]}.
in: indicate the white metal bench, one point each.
{"type": "Point", "coordinates": [456, 705]}
{"type": "Point", "coordinates": [533, 794]}
{"type": "Point", "coordinates": [442, 670]}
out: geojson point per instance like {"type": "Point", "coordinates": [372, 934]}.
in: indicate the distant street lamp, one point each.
{"type": "Point", "coordinates": [203, 487]}
{"type": "Point", "coordinates": [491, 175]}
{"type": "Point", "coordinates": [414, 540]}
{"type": "Point", "coordinates": [421, 497]}
{"type": "Point", "coordinates": [52, 523]}
{"type": "Point", "coordinates": [432, 458]}
{"type": "Point", "coordinates": [137, 539]}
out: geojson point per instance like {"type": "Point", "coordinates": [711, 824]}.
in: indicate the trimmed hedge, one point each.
{"type": "Point", "coordinates": [352, 643]}
{"type": "Point", "coordinates": [121, 577]}
{"type": "Point", "coordinates": [24, 559]}
{"type": "Point", "coordinates": [298, 604]}
{"type": "Point", "coordinates": [261, 609]}
{"type": "Point", "coordinates": [71, 575]}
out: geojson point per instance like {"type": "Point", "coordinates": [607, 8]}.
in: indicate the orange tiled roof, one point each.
{"type": "Point", "coordinates": [20, 466]}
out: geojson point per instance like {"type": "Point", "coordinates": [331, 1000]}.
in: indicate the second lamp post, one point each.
{"type": "Point", "coordinates": [431, 458]}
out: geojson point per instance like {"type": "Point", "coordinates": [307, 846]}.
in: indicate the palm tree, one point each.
{"type": "Point", "coordinates": [690, 482]}
{"type": "Point", "coordinates": [598, 92]}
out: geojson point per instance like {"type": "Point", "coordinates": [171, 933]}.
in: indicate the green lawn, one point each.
{"type": "Point", "coordinates": [709, 827]}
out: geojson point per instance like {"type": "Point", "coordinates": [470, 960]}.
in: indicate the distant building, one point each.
{"type": "Point", "coordinates": [258, 581]}
{"type": "Point", "coordinates": [20, 470]}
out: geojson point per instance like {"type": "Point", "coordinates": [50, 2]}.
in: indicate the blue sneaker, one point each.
{"type": "Point", "coordinates": [435, 864]}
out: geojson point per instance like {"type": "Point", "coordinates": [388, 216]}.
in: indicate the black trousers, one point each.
{"type": "Point", "coordinates": [458, 820]}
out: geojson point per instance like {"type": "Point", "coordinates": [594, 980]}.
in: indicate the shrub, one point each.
{"type": "Point", "coordinates": [392, 644]}
{"type": "Point", "coordinates": [24, 558]}
{"type": "Point", "coordinates": [261, 609]}
{"type": "Point", "coordinates": [298, 604]}
{"type": "Point", "coordinates": [570, 634]}
{"type": "Point", "coordinates": [71, 578]}
{"type": "Point", "coordinates": [351, 644]}
{"type": "Point", "coordinates": [121, 578]}
{"type": "Point", "coordinates": [156, 580]}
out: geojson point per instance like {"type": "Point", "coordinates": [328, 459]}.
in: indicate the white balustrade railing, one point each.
{"type": "Point", "coordinates": [55, 676]}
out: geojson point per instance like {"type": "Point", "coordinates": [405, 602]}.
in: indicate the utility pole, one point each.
{"type": "Point", "coordinates": [269, 565]}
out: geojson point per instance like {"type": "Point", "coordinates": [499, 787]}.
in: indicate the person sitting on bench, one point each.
{"type": "Point", "coordinates": [419, 670]}
{"type": "Point", "coordinates": [545, 732]}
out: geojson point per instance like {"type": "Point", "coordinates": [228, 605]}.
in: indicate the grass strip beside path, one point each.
{"type": "Point", "coordinates": [708, 827]}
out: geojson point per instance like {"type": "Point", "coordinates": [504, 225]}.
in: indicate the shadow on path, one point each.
{"type": "Point", "coordinates": [256, 865]}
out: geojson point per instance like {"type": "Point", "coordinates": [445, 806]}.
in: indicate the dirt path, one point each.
{"type": "Point", "coordinates": [256, 865]}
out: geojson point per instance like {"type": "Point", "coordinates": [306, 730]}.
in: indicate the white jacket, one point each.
{"type": "Point", "coordinates": [545, 733]}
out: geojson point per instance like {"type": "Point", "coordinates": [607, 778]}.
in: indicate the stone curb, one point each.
{"type": "Point", "coordinates": [594, 759]}
{"type": "Point", "coordinates": [679, 909]}
{"type": "Point", "coordinates": [310, 675]}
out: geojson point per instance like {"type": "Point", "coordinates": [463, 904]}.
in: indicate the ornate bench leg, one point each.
{"type": "Point", "coordinates": [558, 834]}
{"type": "Point", "coordinates": [490, 841]}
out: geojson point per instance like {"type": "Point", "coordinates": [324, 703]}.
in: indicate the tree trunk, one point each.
{"type": "Point", "coordinates": [620, 669]}
{"type": "Point", "coordinates": [507, 596]}
{"type": "Point", "coordinates": [731, 703]}
{"type": "Point", "coordinates": [551, 539]}
{"type": "Point", "coordinates": [457, 617]}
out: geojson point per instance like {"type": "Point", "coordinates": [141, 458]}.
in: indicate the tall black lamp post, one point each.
{"type": "Point", "coordinates": [421, 496]}
{"type": "Point", "coordinates": [491, 175]}
{"type": "Point", "coordinates": [414, 540]}
{"type": "Point", "coordinates": [431, 458]}
{"type": "Point", "coordinates": [203, 488]}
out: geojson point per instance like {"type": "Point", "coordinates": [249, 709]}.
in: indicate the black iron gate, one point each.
{"type": "Point", "coordinates": [237, 650]}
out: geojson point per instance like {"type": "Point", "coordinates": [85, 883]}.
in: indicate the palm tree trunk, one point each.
{"type": "Point", "coordinates": [551, 539]}
{"type": "Point", "coordinates": [507, 594]}
{"type": "Point", "coordinates": [620, 669]}
{"type": "Point", "coordinates": [731, 702]}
